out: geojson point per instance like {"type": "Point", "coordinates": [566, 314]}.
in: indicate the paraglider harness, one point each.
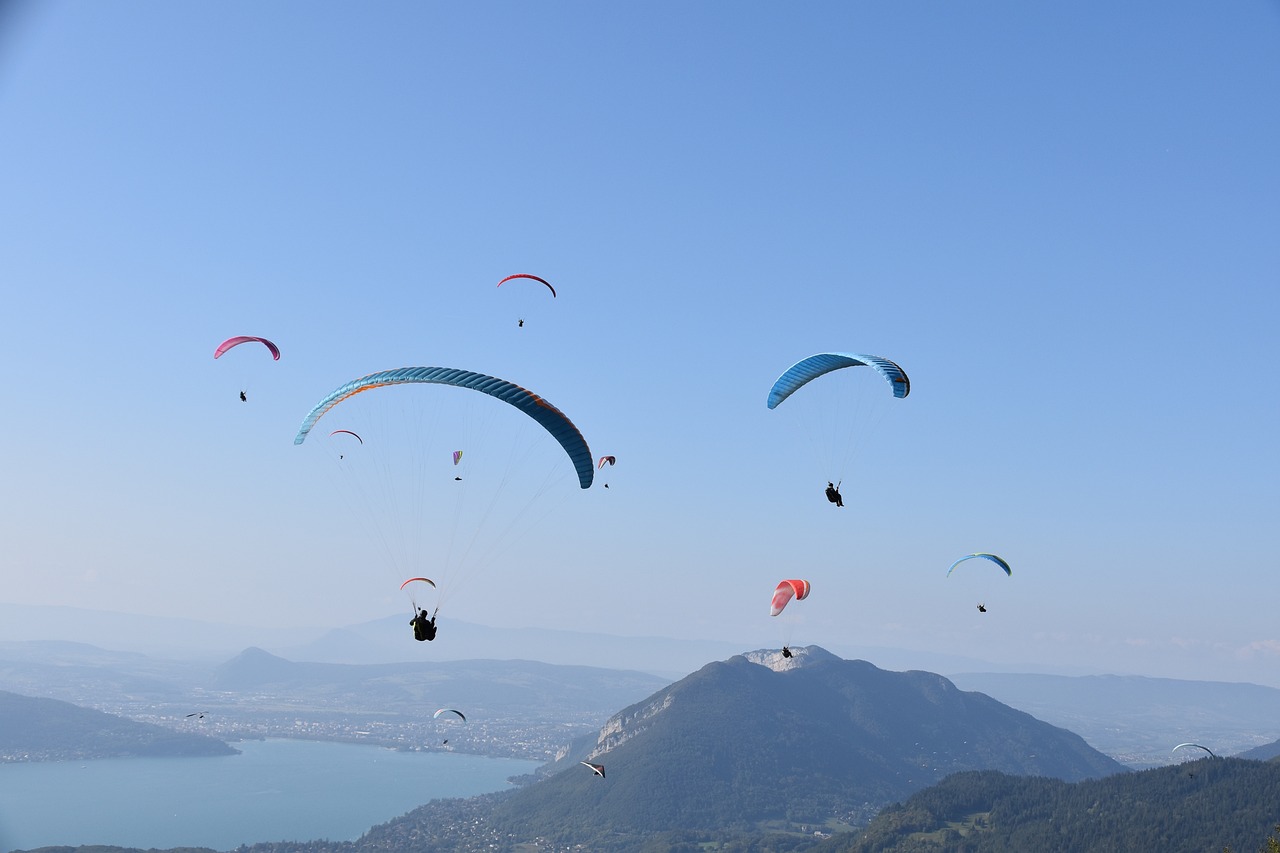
{"type": "Point", "coordinates": [786, 652]}
{"type": "Point", "coordinates": [423, 628]}
{"type": "Point", "coordinates": [833, 493]}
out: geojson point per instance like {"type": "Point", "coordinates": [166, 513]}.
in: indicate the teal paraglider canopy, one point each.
{"type": "Point", "coordinates": [808, 369]}
{"type": "Point", "coordinates": [548, 416]}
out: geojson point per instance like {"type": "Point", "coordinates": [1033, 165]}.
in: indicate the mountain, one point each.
{"type": "Point", "coordinates": [759, 743]}
{"type": "Point", "coordinates": [390, 640]}
{"type": "Point", "coordinates": [1208, 805]}
{"type": "Point", "coordinates": [34, 729]}
{"type": "Point", "coordinates": [1138, 720]}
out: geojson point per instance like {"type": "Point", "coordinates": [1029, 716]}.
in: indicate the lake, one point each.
{"type": "Point", "coordinates": [275, 790]}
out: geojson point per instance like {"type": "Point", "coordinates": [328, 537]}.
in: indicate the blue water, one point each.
{"type": "Point", "coordinates": [275, 790]}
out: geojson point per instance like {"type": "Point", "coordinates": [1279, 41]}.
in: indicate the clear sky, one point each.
{"type": "Point", "coordinates": [1062, 220]}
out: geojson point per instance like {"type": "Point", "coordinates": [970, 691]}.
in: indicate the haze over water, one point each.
{"type": "Point", "coordinates": [275, 790]}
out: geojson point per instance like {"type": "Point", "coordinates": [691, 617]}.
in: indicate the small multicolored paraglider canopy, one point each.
{"type": "Point", "coordinates": [785, 591]}
{"type": "Point", "coordinates": [597, 769]}
{"type": "Point", "coordinates": [606, 460]}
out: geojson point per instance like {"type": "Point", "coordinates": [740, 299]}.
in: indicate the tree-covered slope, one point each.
{"type": "Point", "coordinates": [1196, 807]}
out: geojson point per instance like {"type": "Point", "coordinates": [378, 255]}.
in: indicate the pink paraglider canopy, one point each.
{"type": "Point", "coordinates": [244, 339]}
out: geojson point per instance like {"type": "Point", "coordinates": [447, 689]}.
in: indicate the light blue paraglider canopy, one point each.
{"type": "Point", "coordinates": [992, 557]}
{"type": "Point", "coordinates": [552, 419]}
{"type": "Point", "coordinates": [808, 369]}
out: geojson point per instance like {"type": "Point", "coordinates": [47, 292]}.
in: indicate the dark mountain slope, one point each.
{"type": "Point", "coordinates": [33, 729]}
{"type": "Point", "coordinates": [1195, 807]}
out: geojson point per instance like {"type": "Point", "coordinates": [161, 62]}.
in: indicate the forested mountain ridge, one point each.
{"type": "Point", "coordinates": [1197, 807]}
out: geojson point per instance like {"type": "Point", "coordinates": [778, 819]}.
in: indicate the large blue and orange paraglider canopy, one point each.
{"type": "Point", "coordinates": [548, 416]}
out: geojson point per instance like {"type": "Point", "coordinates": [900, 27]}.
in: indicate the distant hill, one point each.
{"type": "Point", "coordinates": [525, 688]}
{"type": "Point", "coordinates": [1266, 752]}
{"type": "Point", "coordinates": [1206, 805]}
{"type": "Point", "coordinates": [33, 729]}
{"type": "Point", "coordinates": [387, 640]}
{"type": "Point", "coordinates": [1138, 720]}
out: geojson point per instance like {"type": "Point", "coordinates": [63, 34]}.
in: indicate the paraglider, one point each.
{"type": "Point", "coordinates": [418, 520]}
{"type": "Point", "coordinates": [231, 343]}
{"type": "Point", "coordinates": [836, 418]}
{"type": "Point", "coordinates": [444, 711]}
{"type": "Point", "coordinates": [597, 769]}
{"type": "Point", "coordinates": [982, 606]}
{"type": "Point", "coordinates": [606, 460]}
{"type": "Point", "coordinates": [1196, 746]}
{"type": "Point", "coordinates": [528, 302]}
{"type": "Point", "coordinates": [424, 627]}
{"type": "Point", "coordinates": [785, 591]}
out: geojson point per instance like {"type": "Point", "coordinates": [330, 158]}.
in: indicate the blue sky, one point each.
{"type": "Point", "coordinates": [1060, 219]}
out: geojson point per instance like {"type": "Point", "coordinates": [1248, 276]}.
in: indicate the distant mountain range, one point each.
{"type": "Point", "coordinates": [388, 640]}
{"type": "Point", "coordinates": [526, 689]}
{"type": "Point", "coordinates": [1134, 719]}
{"type": "Point", "coordinates": [1138, 720]}
{"type": "Point", "coordinates": [35, 729]}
